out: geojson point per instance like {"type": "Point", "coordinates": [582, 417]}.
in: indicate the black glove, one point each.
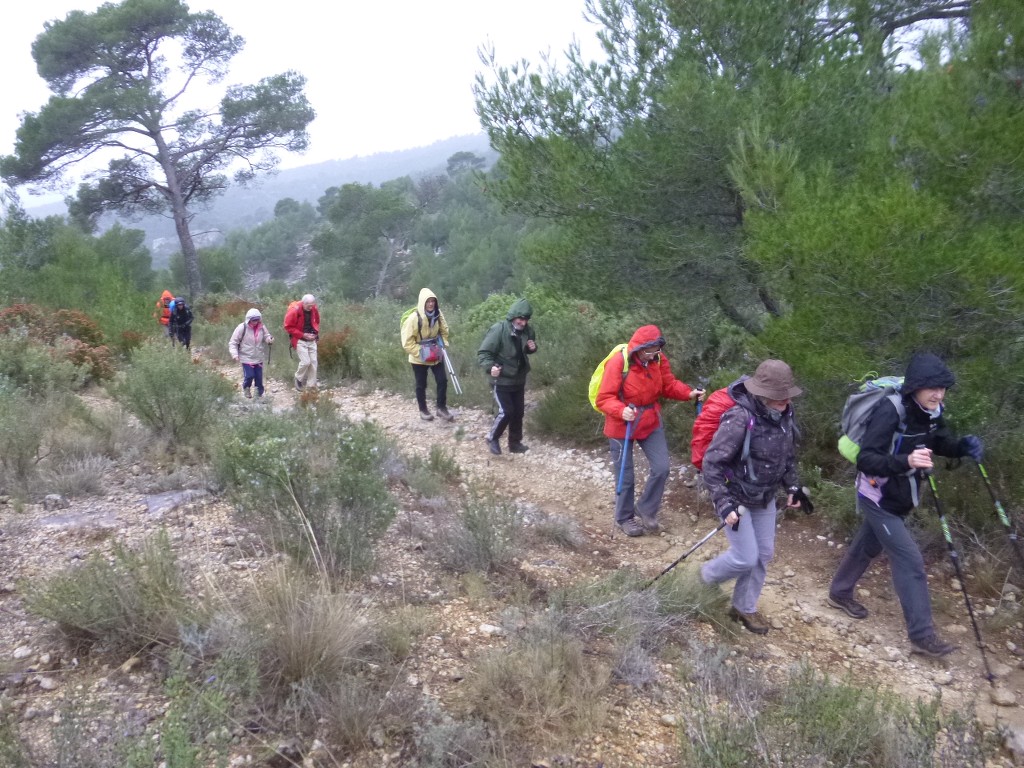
{"type": "Point", "coordinates": [971, 445]}
{"type": "Point", "coordinates": [800, 496]}
{"type": "Point", "coordinates": [730, 507]}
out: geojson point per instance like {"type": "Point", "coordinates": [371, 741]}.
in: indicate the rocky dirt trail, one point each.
{"type": "Point", "coordinates": [550, 480]}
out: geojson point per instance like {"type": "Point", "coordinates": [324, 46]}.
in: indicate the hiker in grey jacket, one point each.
{"type": "Point", "coordinates": [895, 452]}
{"type": "Point", "coordinates": [503, 357]}
{"type": "Point", "coordinates": [752, 455]}
{"type": "Point", "coordinates": [247, 346]}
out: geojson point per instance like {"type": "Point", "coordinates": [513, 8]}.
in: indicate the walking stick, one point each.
{"type": "Point", "coordinates": [1011, 532]}
{"type": "Point", "coordinates": [692, 549]}
{"type": "Point", "coordinates": [448, 365]}
{"type": "Point", "coordinates": [625, 448]}
{"type": "Point", "coordinates": [955, 557]}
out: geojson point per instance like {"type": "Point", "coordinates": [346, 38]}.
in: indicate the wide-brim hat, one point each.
{"type": "Point", "coordinates": [773, 379]}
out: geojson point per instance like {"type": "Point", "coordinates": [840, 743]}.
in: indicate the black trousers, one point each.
{"type": "Point", "coordinates": [440, 378]}
{"type": "Point", "coordinates": [511, 408]}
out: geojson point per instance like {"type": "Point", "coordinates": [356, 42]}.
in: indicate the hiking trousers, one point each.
{"type": "Point", "coordinates": [751, 548]}
{"type": "Point", "coordinates": [883, 531]}
{"type": "Point", "coordinates": [419, 373]}
{"type": "Point", "coordinates": [655, 448]}
{"type": "Point", "coordinates": [253, 372]}
{"type": "Point", "coordinates": [305, 374]}
{"type": "Point", "coordinates": [511, 409]}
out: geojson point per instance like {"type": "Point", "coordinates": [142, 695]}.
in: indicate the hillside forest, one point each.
{"type": "Point", "coordinates": [837, 185]}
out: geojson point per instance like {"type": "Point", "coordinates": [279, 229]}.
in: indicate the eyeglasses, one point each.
{"type": "Point", "coordinates": [651, 351]}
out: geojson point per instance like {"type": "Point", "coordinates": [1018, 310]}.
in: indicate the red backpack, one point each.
{"type": "Point", "coordinates": [706, 424]}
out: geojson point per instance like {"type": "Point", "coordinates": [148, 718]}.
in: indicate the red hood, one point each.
{"type": "Point", "coordinates": [646, 336]}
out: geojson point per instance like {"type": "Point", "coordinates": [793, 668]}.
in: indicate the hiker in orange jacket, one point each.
{"type": "Point", "coordinates": [163, 310]}
{"type": "Point", "coordinates": [633, 402]}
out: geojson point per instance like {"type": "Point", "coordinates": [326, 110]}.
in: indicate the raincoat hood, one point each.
{"type": "Point", "coordinates": [927, 370]}
{"type": "Point", "coordinates": [644, 337]}
{"type": "Point", "coordinates": [520, 308]}
{"type": "Point", "coordinates": [426, 293]}
{"type": "Point", "coordinates": [253, 313]}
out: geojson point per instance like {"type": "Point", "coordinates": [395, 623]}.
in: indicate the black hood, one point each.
{"type": "Point", "coordinates": [927, 370]}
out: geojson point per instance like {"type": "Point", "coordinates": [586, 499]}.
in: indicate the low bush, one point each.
{"type": "Point", "coordinates": [174, 398]}
{"type": "Point", "coordinates": [316, 483]}
{"type": "Point", "coordinates": [23, 425]}
{"type": "Point", "coordinates": [540, 689]}
{"type": "Point", "coordinates": [127, 602]}
{"type": "Point", "coordinates": [484, 536]}
{"type": "Point", "coordinates": [14, 752]}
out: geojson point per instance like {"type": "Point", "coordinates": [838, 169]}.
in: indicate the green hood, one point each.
{"type": "Point", "coordinates": [521, 308]}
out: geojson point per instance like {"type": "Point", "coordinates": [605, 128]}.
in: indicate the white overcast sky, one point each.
{"type": "Point", "coordinates": [382, 74]}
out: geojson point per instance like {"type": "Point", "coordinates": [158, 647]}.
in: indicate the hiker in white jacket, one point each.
{"type": "Point", "coordinates": [250, 346]}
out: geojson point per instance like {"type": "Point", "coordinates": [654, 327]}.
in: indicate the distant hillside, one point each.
{"type": "Point", "coordinates": [246, 207]}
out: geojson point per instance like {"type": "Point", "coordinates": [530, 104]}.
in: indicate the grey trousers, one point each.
{"type": "Point", "coordinates": [655, 448]}
{"type": "Point", "coordinates": [750, 550]}
{"type": "Point", "coordinates": [880, 532]}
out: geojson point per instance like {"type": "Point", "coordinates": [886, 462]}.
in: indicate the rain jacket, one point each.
{"type": "Point", "coordinates": [163, 308]}
{"type": "Point", "coordinates": [644, 386]}
{"type": "Point", "coordinates": [249, 345]}
{"type": "Point", "coordinates": [772, 461]}
{"type": "Point", "coordinates": [504, 346]}
{"type": "Point", "coordinates": [419, 328]}
{"type": "Point", "coordinates": [884, 473]}
{"type": "Point", "coordinates": [294, 320]}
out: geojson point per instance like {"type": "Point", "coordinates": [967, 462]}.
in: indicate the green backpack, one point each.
{"type": "Point", "coordinates": [405, 316]}
{"type": "Point", "coordinates": [598, 374]}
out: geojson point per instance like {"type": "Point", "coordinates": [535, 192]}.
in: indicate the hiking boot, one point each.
{"type": "Point", "coordinates": [426, 415]}
{"type": "Point", "coordinates": [443, 414]}
{"type": "Point", "coordinates": [752, 622]}
{"type": "Point", "coordinates": [517, 448]}
{"type": "Point", "coordinates": [931, 646]}
{"type": "Point", "coordinates": [495, 447]}
{"type": "Point", "coordinates": [298, 385]}
{"type": "Point", "coordinates": [650, 524]}
{"type": "Point", "coordinates": [247, 392]}
{"type": "Point", "coordinates": [853, 609]}
{"type": "Point", "coordinates": [632, 527]}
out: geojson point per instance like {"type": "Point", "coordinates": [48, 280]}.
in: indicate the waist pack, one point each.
{"type": "Point", "coordinates": [430, 351]}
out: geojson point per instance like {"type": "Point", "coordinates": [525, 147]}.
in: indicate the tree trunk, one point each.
{"type": "Point", "coordinates": [180, 214]}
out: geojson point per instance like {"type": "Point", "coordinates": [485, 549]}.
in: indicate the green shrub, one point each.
{"type": "Point", "coordinates": [541, 689]}
{"type": "Point", "coordinates": [484, 537]}
{"type": "Point", "coordinates": [127, 602]}
{"type": "Point", "coordinates": [14, 752]}
{"type": "Point", "coordinates": [176, 399]}
{"type": "Point", "coordinates": [23, 424]}
{"type": "Point", "coordinates": [317, 483]}
{"type": "Point", "coordinates": [33, 369]}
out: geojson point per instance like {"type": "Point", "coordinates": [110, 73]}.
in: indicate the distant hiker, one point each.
{"type": "Point", "coordinates": [752, 454]}
{"type": "Point", "coordinates": [631, 406]}
{"type": "Point", "coordinates": [250, 346]}
{"type": "Point", "coordinates": [895, 454]}
{"type": "Point", "coordinates": [503, 356]}
{"type": "Point", "coordinates": [420, 334]}
{"type": "Point", "coordinates": [163, 310]}
{"type": "Point", "coordinates": [180, 325]}
{"type": "Point", "coordinates": [302, 322]}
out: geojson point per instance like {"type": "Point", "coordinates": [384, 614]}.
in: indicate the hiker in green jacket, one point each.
{"type": "Point", "coordinates": [503, 357]}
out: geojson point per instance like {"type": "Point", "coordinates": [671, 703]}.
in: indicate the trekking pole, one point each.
{"type": "Point", "coordinates": [449, 366]}
{"type": "Point", "coordinates": [692, 549]}
{"type": "Point", "coordinates": [955, 557]}
{"type": "Point", "coordinates": [625, 448]}
{"type": "Point", "coordinates": [698, 404]}
{"type": "Point", "coordinates": [1011, 532]}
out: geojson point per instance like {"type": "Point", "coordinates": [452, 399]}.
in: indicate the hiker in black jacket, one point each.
{"type": "Point", "coordinates": [895, 455]}
{"type": "Point", "coordinates": [180, 323]}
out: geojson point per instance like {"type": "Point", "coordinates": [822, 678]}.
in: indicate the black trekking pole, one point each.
{"type": "Point", "coordinates": [691, 550]}
{"type": "Point", "coordinates": [1011, 532]}
{"type": "Point", "coordinates": [955, 557]}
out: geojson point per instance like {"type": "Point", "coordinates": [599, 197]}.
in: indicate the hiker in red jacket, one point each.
{"type": "Point", "coordinates": [631, 403]}
{"type": "Point", "coordinates": [302, 322]}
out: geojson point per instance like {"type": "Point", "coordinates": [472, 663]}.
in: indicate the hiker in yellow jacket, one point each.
{"type": "Point", "coordinates": [421, 331]}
